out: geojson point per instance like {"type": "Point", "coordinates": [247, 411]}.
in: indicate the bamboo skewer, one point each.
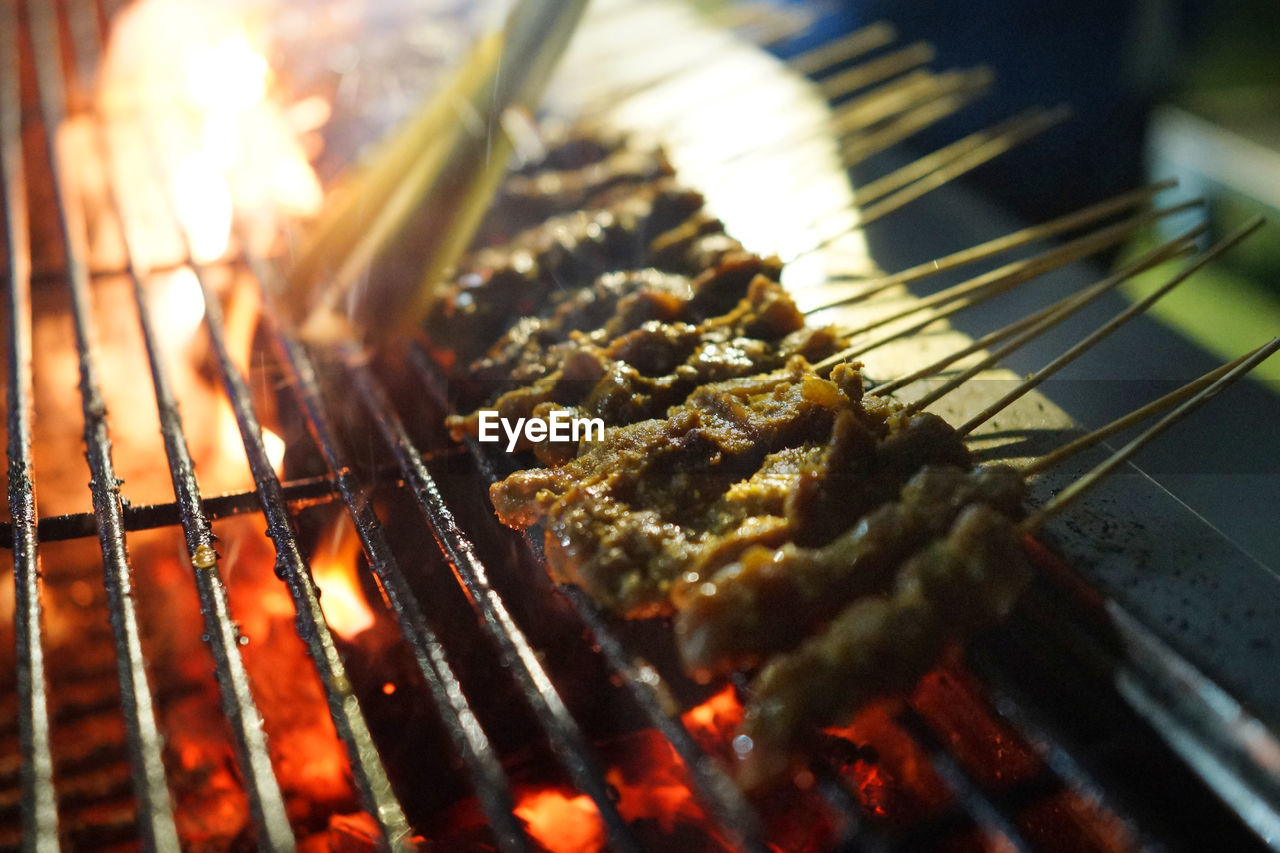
{"type": "Point", "coordinates": [877, 70]}
{"type": "Point", "coordinates": [949, 101]}
{"type": "Point", "coordinates": [1059, 310]}
{"type": "Point", "coordinates": [843, 49]}
{"type": "Point", "coordinates": [1017, 239]}
{"type": "Point", "coordinates": [1041, 320]}
{"type": "Point", "coordinates": [880, 104]}
{"type": "Point", "coordinates": [1072, 492]}
{"type": "Point", "coordinates": [1138, 415]}
{"type": "Point", "coordinates": [1033, 125]}
{"type": "Point", "coordinates": [925, 166]}
{"type": "Point", "coordinates": [1025, 269]}
{"type": "Point", "coordinates": [990, 147]}
{"type": "Point", "coordinates": [1107, 328]}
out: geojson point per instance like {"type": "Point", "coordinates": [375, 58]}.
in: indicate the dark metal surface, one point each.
{"type": "Point", "coordinates": [465, 733]}
{"type": "Point", "coordinates": [39, 806]}
{"type": "Point", "coordinates": [518, 656]}
{"type": "Point", "coordinates": [154, 806]}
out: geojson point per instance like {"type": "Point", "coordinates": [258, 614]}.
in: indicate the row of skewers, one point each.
{"type": "Point", "coordinates": [792, 519]}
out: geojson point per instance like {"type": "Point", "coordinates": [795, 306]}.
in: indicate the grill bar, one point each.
{"type": "Point", "coordinates": [57, 528]}
{"type": "Point", "coordinates": [292, 568]}
{"type": "Point", "coordinates": [565, 737]}
{"type": "Point", "coordinates": [460, 723]}
{"type": "Point", "coordinates": [717, 791]}
{"type": "Point", "coordinates": [155, 811]}
{"type": "Point", "coordinates": [989, 815]}
{"type": "Point", "coordinates": [261, 786]}
{"type": "Point", "coordinates": [39, 804]}
{"type": "Point", "coordinates": [714, 787]}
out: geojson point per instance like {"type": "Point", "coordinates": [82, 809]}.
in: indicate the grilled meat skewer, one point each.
{"type": "Point", "coordinates": [640, 374]}
{"type": "Point", "coordinates": [761, 460]}
{"type": "Point", "coordinates": [947, 591]}
{"type": "Point", "coordinates": [730, 621]}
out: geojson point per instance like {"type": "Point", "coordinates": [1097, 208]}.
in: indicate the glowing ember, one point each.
{"type": "Point", "coordinates": [561, 822]}
{"type": "Point", "coordinates": [716, 718]}
{"type": "Point", "coordinates": [334, 568]}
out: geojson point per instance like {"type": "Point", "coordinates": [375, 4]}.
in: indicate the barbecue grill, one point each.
{"type": "Point", "coordinates": [1074, 726]}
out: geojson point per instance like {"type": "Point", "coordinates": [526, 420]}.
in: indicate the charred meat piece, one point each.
{"type": "Point", "coordinates": [617, 303]}
{"type": "Point", "coordinates": [527, 198]}
{"type": "Point", "coordinates": [642, 373]}
{"type": "Point", "coordinates": [543, 264]}
{"type": "Point", "coordinates": [730, 621]}
{"type": "Point", "coordinates": [950, 589]}
{"type": "Point", "coordinates": [663, 504]}
{"type": "Point", "coordinates": [733, 419]}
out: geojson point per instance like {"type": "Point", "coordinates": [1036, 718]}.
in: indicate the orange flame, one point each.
{"type": "Point", "coordinates": [334, 568]}
{"type": "Point", "coordinates": [203, 103]}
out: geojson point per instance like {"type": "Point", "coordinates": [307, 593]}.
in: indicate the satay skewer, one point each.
{"type": "Point", "coordinates": [1138, 415]}
{"type": "Point", "coordinates": [1110, 326]}
{"type": "Point", "coordinates": [1014, 240]}
{"type": "Point", "coordinates": [1021, 270]}
{"type": "Point", "coordinates": [1085, 343]}
{"type": "Point", "coordinates": [1059, 310]}
{"type": "Point", "coordinates": [1071, 493]}
{"type": "Point", "coordinates": [809, 63]}
{"type": "Point", "coordinates": [1049, 316]}
{"type": "Point", "coordinates": [993, 145]}
{"type": "Point", "coordinates": [921, 96]}
{"type": "Point", "coordinates": [844, 48]}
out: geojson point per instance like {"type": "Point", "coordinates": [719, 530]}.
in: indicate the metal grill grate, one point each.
{"type": "Point", "coordinates": [111, 521]}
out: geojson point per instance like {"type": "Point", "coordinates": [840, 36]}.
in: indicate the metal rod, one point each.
{"type": "Point", "coordinates": [459, 721]}
{"type": "Point", "coordinates": [985, 812]}
{"type": "Point", "coordinates": [261, 787]}
{"type": "Point", "coordinates": [155, 810]}
{"type": "Point", "coordinates": [39, 803]}
{"type": "Point", "coordinates": [713, 786]}
{"type": "Point", "coordinates": [566, 739]}
{"type": "Point", "coordinates": [292, 568]}
{"type": "Point", "coordinates": [300, 494]}
{"type": "Point", "coordinates": [266, 804]}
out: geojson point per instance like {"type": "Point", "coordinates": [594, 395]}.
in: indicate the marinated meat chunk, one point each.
{"type": "Point", "coordinates": [951, 588]}
{"type": "Point", "coordinates": [526, 198]}
{"type": "Point", "coordinates": [730, 621]}
{"type": "Point", "coordinates": [615, 304]}
{"type": "Point", "coordinates": [499, 285]}
{"type": "Point", "coordinates": [661, 505]}
{"type": "Point", "coordinates": [740, 418]}
{"type": "Point", "coordinates": [642, 373]}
